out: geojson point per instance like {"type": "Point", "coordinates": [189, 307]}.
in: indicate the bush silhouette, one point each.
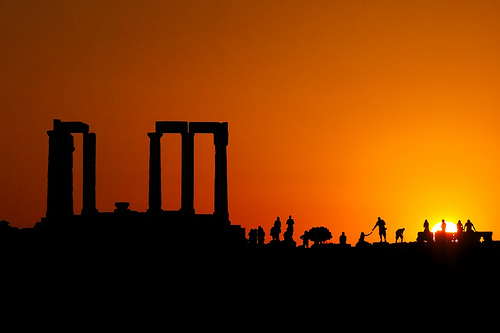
{"type": "Point", "coordinates": [319, 235]}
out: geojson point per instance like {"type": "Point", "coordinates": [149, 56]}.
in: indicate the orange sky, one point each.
{"type": "Point", "coordinates": [339, 111]}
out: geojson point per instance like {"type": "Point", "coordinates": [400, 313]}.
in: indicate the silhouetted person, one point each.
{"type": "Point", "coordinates": [443, 226]}
{"type": "Point", "coordinates": [252, 237]}
{"type": "Point", "coordinates": [361, 242]}
{"type": "Point", "coordinates": [399, 234]}
{"type": "Point", "coordinates": [426, 227]}
{"type": "Point", "coordinates": [276, 230]}
{"type": "Point", "coordinates": [440, 235]}
{"type": "Point", "coordinates": [288, 234]}
{"type": "Point", "coordinates": [460, 230]}
{"type": "Point", "coordinates": [305, 239]}
{"type": "Point", "coordinates": [469, 226]}
{"type": "Point", "coordinates": [343, 239]}
{"type": "Point", "coordinates": [261, 235]}
{"type": "Point", "coordinates": [426, 235]}
{"type": "Point", "coordinates": [381, 229]}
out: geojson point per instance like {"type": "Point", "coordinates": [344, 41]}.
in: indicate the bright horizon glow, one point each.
{"type": "Point", "coordinates": [450, 227]}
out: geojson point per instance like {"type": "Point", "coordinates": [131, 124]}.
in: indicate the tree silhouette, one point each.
{"type": "Point", "coordinates": [319, 235]}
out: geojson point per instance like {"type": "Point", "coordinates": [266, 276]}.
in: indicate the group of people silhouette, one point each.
{"type": "Point", "coordinates": [382, 232]}
{"type": "Point", "coordinates": [464, 232]}
{"type": "Point", "coordinates": [257, 236]}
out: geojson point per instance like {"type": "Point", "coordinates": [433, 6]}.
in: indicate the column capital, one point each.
{"type": "Point", "coordinates": [155, 135]}
{"type": "Point", "coordinates": [221, 138]}
{"type": "Point", "coordinates": [58, 133]}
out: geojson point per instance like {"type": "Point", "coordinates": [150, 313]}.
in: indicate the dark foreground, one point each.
{"type": "Point", "coordinates": [207, 286]}
{"type": "Point", "coordinates": [343, 269]}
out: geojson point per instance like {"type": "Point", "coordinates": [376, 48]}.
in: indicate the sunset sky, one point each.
{"type": "Point", "coordinates": [338, 111]}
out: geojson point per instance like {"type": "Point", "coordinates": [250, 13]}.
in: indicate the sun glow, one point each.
{"type": "Point", "coordinates": [450, 227]}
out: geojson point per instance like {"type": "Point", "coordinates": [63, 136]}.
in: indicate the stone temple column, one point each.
{"type": "Point", "coordinates": [154, 172]}
{"type": "Point", "coordinates": [187, 177]}
{"type": "Point", "coordinates": [220, 196]}
{"type": "Point", "coordinates": [60, 175]}
{"type": "Point", "coordinates": [89, 152]}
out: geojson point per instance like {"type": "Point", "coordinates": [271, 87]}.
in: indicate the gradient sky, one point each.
{"type": "Point", "coordinates": [339, 111]}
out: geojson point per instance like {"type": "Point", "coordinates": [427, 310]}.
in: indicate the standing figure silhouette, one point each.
{"type": "Point", "coordinates": [460, 227]}
{"type": "Point", "coordinates": [426, 226]}
{"type": "Point", "coordinates": [381, 229]}
{"type": "Point", "coordinates": [276, 230]}
{"type": "Point", "coordinates": [288, 234]}
{"type": "Point", "coordinates": [443, 226]}
{"type": "Point", "coordinates": [469, 226]}
{"type": "Point", "coordinates": [343, 239]}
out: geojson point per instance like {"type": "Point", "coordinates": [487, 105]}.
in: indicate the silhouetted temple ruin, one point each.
{"type": "Point", "coordinates": [187, 132]}
{"type": "Point", "coordinates": [60, 171]}
{"type": "Point", "coordinates": [60, 184]}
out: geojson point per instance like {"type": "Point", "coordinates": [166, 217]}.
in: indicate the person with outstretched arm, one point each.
{"type": "Point", "coordinates": [381, 229]}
